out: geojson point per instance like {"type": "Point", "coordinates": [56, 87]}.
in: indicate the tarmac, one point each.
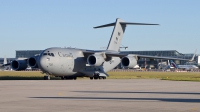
{"type": "Point", "coordinates": [130, 95]}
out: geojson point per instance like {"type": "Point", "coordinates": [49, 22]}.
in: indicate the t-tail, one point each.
{"type": "Point", "coordinates": [118, 32]}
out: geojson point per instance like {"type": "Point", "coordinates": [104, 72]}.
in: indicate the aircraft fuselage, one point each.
{"type": "Point", "coordinates": [71, 61]}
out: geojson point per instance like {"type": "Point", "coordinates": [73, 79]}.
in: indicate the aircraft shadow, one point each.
{"type": "Point", "coordinates": [138, 92]}
{"type": "Point", "coordinates": [129, 99]}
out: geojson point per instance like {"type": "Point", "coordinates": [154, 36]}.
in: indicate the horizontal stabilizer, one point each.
{"type": "Point", "coordinates": [129, 23]}
{"type": "Point", "coordinates": [123, 23]}
{"type": "Point", "coordinates": [106, 25]}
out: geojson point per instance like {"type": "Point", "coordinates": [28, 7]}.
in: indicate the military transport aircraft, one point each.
{"type": "Point", "coordinates": [69, 63]}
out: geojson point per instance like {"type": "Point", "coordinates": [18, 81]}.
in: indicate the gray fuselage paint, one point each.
{"type": "Point", "coordinates": [70, 61]}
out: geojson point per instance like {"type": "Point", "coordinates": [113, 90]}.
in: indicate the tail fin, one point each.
{"type": "Point", "coordinates": [118, 32]}
{"type": "Point", "coordinates": [192, 59]}
{"type": "Point", "coordinates": [168, 63]}
{"type": "Point", "coordinates": [5, 60]}
{"type": "Point", "coordinates": [173, 64]}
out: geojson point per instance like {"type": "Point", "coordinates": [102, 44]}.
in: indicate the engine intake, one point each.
{"type": "Point", "coordinates": [128, 61]}
{"type": "Point", "coordinates": [32, 62]}
{"type": "Point", "coordinates": [19, 64]}
{"type": "Point", "coordinates": [95, 60]}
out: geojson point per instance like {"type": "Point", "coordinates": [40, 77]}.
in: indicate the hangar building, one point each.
{"type": "Point", "coordinates": [27, 53]}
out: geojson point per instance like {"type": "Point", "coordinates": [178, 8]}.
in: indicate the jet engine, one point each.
{"type": "Point", "coordinates": [128, 61]}
{"type": "Point", "coordinates": [95, 60]}
{"type": "Point", "coordinates": [32, 62]}
{"type": "Point", "coordinates": [19, 64]}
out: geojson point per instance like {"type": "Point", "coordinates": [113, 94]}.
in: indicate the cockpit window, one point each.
{"type": "Point", "coordinates": [52, 54]}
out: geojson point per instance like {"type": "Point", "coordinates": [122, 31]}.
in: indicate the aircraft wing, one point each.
{"type": "Point", "coordinates": [117, 54]}
{"type": "Point", "coordinates": [159, 57]}
{"type": "Point", "coordinates": [107, 53]}
{"type": "Point", "coordinates": [5, 64]}
{"type": "Point", "coordinates": [11, 62]}
{"type": "Point", "coordinates": [144, 56]}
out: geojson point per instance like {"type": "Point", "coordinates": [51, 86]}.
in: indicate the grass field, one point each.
{"type": "Point", "coordinates": [177, 76]}
{"type": "Point", "coordinates": [22, 75]}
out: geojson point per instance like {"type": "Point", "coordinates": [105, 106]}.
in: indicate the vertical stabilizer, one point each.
{"type": "Point", "coordinates": [117, 35]}
{"type": "Point", "coordinates": [173, 64]}
{"type": "Point", "coordinates": [5, 60]}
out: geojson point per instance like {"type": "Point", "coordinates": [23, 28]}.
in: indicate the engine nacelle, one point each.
{"type": "Point", "coordinates": [19, 64]}
{"type": "Point", "coordinates": [128, 61]}
{"type": "Point", "coordinates": [32, 62]}
{"type": "Point", "coordinates": [95, 60]}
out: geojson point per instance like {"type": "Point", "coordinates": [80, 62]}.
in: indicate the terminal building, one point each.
{"type": "Point", "coordinates": [143, 62]}
{"type": "Point", "coordinates": [22, 54]}
{"type": "Point", "coordinates": [27, 53]}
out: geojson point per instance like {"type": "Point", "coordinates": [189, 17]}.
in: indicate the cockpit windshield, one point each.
{"type": "Point", "coordinates": [50, 54]}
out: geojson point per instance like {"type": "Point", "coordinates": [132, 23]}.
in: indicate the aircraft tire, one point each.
{"type": "Point", "coordinates": [75, 78]}
{"type": "Point", "coordinates": [46, 77]}
{"type": "Point", "coordinates": [96, 77]}
{"type": "Point", "coordinates": [91, 78]}
{"type": "Point", "coordinates": [62, 77]}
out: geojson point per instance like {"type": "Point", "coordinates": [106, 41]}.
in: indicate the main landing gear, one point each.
{"type": "Point", "coordinates": [97, 76]}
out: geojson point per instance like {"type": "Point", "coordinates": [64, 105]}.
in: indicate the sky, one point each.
{"type": "Point", "coordinates": [41, 24]}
